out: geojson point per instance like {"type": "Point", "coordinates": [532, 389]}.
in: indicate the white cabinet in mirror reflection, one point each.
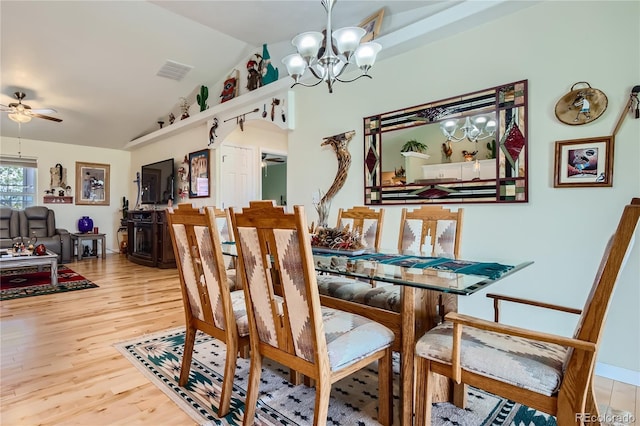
{"type": "Point", "coordinates": [467, 170]}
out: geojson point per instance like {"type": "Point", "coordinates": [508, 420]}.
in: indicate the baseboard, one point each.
{"type": "Point", "coordinates": [617, 373]}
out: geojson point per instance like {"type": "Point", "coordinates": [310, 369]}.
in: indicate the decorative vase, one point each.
{"type": "Point", "coordinates": [85, 224]}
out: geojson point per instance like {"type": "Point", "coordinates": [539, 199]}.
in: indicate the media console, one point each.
{"type": "Point", "coordinates": [149, 242]}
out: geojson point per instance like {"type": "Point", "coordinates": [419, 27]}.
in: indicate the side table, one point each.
{"type": "Point", "coordinates": [78, 238]}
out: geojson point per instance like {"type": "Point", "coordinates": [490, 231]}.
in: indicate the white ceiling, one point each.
{"type": "Point", "coordinates": [95, 62]}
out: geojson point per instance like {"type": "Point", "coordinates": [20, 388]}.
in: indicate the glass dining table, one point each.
{"type": "Point", "coordinates": [428, 289]}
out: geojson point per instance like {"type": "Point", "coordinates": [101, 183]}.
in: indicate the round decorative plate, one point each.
{"type": "Point", "coordinates": [581, 105]}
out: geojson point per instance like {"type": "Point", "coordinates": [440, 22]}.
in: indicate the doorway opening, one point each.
{"type": "Point", "coordinates": [273, 170]}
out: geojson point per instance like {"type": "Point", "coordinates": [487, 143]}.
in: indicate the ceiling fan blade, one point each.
{"type": "Point", "coordinates": [5, 108]}
{"type": "Point", "coordinates": [46, 117]}
{"type": "Point", "coordinates": [43, 111]}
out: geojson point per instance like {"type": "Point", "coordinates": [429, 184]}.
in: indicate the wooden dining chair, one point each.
{"type": "Point", "coordinates": [546, 372]}
{"type": "Point", "coordinates": [323, 344]}
{"type": "Point", "coordinates": [431, 231]}
{"type": "Point", "coordinates": [209, 304]}
{"type": "Point", "coordinates": [364, 220]}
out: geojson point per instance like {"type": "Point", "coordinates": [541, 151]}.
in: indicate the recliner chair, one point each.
{"type": "Point", "coordinates": [41, 222]}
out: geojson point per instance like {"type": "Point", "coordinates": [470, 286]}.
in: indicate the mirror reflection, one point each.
{"type": "Point", "coordinates": [472, 148]}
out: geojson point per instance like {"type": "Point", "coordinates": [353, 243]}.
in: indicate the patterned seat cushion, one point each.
{"type": "Point", "coordinates": [240, 312]}
{"type": "Point", "coordinates": [351, 337]}
{"type": "Point", "coordinates": [525, 363]}
{"type": "Point", "coordinates": [384, 297]}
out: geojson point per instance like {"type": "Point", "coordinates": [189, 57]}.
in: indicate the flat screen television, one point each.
{"type": "Point", "coordinates": [157, 182]}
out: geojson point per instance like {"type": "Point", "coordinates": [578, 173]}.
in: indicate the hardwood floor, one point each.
{"type": "Point", "coordinates": [59, 366]}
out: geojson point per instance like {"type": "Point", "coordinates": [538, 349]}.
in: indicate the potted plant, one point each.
{"type": "Point", "coordinates": [413, 145]}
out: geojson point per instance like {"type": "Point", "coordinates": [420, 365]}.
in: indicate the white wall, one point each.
{"type": "Point", "coordinates": [107, 218]}
{"type": "Point", "coordinates": [563, 230]}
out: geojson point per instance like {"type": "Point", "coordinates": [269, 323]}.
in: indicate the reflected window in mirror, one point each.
{"type": "Point", "coordinates": [466, 149]}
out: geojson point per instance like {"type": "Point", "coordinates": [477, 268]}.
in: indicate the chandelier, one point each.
{"type": "Point", "coordinates": [327, 62]}
{"type": "Point", "coordinates": [474, 128]}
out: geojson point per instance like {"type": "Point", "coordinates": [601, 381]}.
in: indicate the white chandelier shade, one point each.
{"type": "Point", "coordinates": [473, 129]}
{"type": "Point", "coordinates": [327, 61]}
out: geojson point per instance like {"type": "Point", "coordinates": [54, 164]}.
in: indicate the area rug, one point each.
{"type": "Point", "coordinates": [353, 399]}
{"type": "Point", "coordinates": [25, 282]}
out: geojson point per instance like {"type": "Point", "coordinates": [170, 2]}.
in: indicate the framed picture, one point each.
{"type": "Point", "coordinates": [92, 184]}
{"type": "Point", "coordinates": [584, 162]}
{"type": "Point", "coordinates": [372, 25]}
{"type": "Point", "coordinates": [199, 174]}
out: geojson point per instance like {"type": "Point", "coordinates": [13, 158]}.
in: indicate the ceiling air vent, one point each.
{"type": "Point", "coordinates": [174, 70]}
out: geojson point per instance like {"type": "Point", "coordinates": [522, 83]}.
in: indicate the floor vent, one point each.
{"type": "Point", "coordinates": [174, 70]}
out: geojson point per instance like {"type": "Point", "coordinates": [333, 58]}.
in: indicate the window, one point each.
{"type": "Point", "coordinates": [18, 182]}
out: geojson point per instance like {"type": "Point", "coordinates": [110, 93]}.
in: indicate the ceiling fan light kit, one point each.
{"type": "Point", "coordinates": [22, 113]}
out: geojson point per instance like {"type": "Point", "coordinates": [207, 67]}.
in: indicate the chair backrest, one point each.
{"type": "Point", "coordinates": [431, 231]}
{"type": "Point", "coordinates": [225, 232]}
{"type": "Point", "coordinates": [203, 279]}
{"type": "Point", "coordinates": [616, 252]}
{"type": "Point", "coordinates": [274, 248]}
{"type": "Point", "coordinates": [364, 220]}
{"type": "Point", "coordinates": [9, 223]}
{"type": "Point", "coordinates": [37, 220]}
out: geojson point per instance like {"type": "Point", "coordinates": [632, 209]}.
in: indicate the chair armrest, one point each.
{"type": "Point", "coordinates": [61, 231]}
{"type": "Point", "coordinates": [460, 320]}
{"type": "Point", "coordinates": [498, 297]}
{"type": "Point", "coordinates": [481, 324]}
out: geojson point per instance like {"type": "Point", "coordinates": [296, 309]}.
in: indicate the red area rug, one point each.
{"type": "Point", "coordinates": [15, 284]}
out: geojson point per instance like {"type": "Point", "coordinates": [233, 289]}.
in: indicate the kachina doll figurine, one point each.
{"type": "Point", "coordinates": [269, 72]}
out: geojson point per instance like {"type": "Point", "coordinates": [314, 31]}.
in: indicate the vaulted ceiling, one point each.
{"type": "Point", "coordinates": [95, 62]}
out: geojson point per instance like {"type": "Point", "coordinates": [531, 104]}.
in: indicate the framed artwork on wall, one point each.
{"type": "Point", "coordinates": [92, 184]}
{"type": "Point", "coordinates": [584, 162]}
{"type": "Point", "coordinates": [199, 174]}
{"type": "Point", "coordinates": [372, 25]}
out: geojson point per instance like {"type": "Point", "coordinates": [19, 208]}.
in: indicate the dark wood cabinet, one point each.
{"type": "Point", "coordinates": [149, 242]}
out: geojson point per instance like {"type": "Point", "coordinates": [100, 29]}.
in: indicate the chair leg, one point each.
{"type": "Point", "coordinates": [227, 379]}
{"type": "Point", "coordinates": [189, 340]}
{"type": "Point", "coordinates": [253, 389]}
{"type": "Point", "coordinates": [385, 389]}
{"type": "Point", "coordinates": [459, 395]}
{"type": "Point", "coordinates": [591, 405]}
{"type": "Point", "coordinates": [323, 391]}
{"type": "Point", "coordinates": [424, 389]}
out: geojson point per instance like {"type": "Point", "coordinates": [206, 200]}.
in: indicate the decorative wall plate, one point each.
{"type": "Point", "coordinates": [581, 105]}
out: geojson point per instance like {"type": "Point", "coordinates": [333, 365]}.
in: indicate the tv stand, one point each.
{"type": "Point", "coordinates": [149, 242]}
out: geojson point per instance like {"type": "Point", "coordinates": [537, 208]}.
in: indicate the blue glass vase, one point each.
{"type": "Point", "coordinates": [85, 224]}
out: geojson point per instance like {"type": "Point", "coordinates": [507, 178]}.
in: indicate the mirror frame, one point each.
{"type": "Point", "coordinates": [510, 185]}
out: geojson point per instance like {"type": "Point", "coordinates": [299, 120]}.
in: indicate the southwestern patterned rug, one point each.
{"type": "Point", "coordinates": [353, 399]}
{"type": "Point", "coordinates": [25, 282]}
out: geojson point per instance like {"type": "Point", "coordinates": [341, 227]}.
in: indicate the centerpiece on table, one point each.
{"type": "Point", "coordinates": [337, 240]}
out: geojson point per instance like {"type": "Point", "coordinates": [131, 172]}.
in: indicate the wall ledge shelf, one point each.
{"type": "Point", "coordinates": [57, 199]}
{"type": "Point", "coordinates": [223, 111]}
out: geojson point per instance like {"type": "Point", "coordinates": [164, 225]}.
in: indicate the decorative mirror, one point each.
{"type": "Point", "coordinates": [467, 149]}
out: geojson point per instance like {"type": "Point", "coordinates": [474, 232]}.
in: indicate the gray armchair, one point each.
{"type": "Point", "coordinates": [9, 226]}
{"type": "Point", "coordinates": [41, 222]}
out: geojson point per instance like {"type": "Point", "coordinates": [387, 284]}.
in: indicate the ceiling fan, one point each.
{"type": "Point", "coordinates": [22, 113]}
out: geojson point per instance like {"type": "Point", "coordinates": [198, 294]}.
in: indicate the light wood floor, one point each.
{"type": "Point", "coordinates": [59, 366]}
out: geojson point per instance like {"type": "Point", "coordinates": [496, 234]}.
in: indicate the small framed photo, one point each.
{"type": "Point", "coordinates": [584, 162]}
{"type": "Point", "coordinates": [199, 174]}
{"type": "Point", "coordinates": [92, 184]}
{"type": "Point", "coordinates": [372, 25]}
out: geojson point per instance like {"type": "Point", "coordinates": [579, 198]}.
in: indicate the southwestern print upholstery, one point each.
{"type": "Point", "coordinates": [368, 232]}
{"type": "Point", "coordinates": [522, 362]}
{"type": "Point", "coordinates": [415, 241]}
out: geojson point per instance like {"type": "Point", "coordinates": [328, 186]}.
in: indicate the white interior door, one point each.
{"type": "Point", "coordinates": [237, 176]}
